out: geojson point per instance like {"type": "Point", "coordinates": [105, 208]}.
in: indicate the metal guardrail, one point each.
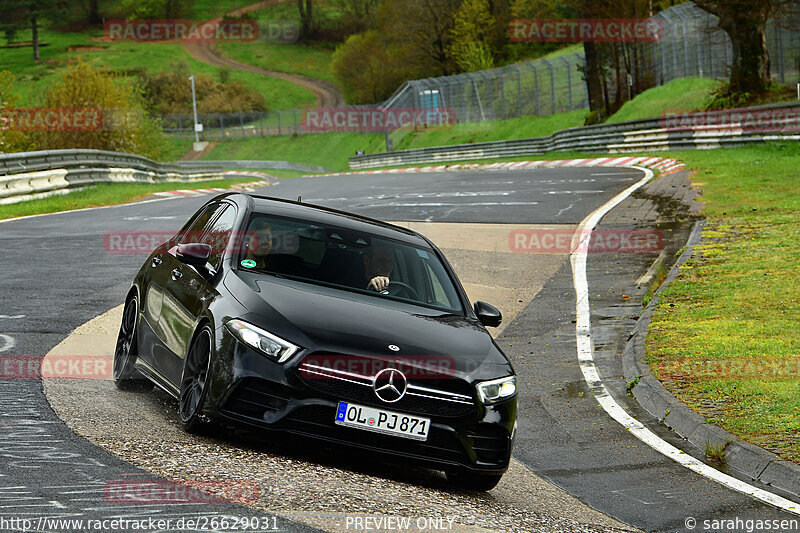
{"type": "Point", "coordinates": [52, 159]}
{"type": "Point", "coordinates": [31, 175]}
{"type": "Point", "coordinates": [637, 135]}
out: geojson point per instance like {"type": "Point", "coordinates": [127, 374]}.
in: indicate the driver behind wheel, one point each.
{"type": "Point", "coordinates": [378, 266]}
{"type": "Point", "coordinates": [260, 246]}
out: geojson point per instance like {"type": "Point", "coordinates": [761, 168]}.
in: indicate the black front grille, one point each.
{"type": "Point", "coordinates": [319, 420]}
{"type": "Point", "coordinates": [446, 397]}
{"type": "Point", "coordinates": [253, 397]}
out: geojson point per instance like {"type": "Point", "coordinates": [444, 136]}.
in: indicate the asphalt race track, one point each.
{"type": "Point", "coordinates": [57, 275]}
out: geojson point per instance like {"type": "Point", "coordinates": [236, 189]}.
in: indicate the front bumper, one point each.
{"type": "Point", "coordinates": [248, 389]}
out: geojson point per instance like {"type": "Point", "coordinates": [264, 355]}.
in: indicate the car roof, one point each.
{"type": "Point", "coordinates": [334, 217]}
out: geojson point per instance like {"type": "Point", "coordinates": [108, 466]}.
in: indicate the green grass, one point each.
{"type": "Point", "coordinates": [496, 130]}
{"type": "Point", "coordinates": [567, 50]}
{"type": "Point", "coordinates": [682, 95]}
{"type": "Point", "coordinates": [128, 57]}
{"type": "Point", "coordinates": [292, 58]}
{"type": "Point", "coordinates": [209, 9]}
{"type": "Point", "coordinates": [312, 59]}
{"type": "Point", "coordinates": [175, 148]}
{"type": "Point", "coordinates": [107, 194]}
{"type": "Point", "coordinates": [728, 322]}
{"type": "Point", "coordinates": [332, 150]}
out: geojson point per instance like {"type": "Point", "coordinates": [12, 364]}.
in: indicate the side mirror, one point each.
{"type": "Point", "coordinates": [489, 315]}
{"type": "Point", "coordinates": [194, 254]}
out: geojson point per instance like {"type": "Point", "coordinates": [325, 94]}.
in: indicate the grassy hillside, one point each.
{"type": "Point", "coordinates": [685, 94]}
{"type": "Point", "coordinates": [126, 58]}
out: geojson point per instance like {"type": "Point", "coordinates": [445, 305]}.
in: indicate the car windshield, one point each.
{"type": "Point", "coordinates": [348, 260]}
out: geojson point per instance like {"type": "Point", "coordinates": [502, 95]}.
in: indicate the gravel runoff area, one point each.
{"type": "Point", "coordinates": [306, 481]}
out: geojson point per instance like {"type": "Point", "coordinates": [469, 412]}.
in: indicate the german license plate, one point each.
{"type": "Point", "coordinates": [382, 421]}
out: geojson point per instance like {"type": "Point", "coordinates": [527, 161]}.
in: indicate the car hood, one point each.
{"type": "Point", "coordinates": [329, 321]}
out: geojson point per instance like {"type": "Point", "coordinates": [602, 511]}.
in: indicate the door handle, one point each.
{"type": "Point", "coordinates": [176, 274]}
{"type": "Point", "coordinates": [156, 261]}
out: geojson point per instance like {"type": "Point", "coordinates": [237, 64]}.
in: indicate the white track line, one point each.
{"type": "Point", "coordinates": [8, 342]}
{"type": "Point", "coordinates": [592, 376]}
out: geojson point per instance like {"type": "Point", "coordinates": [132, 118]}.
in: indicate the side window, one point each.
{"type": "Point", "coordinates": [439, 295]}
{"type": "Point", "coordinates": [198, 227]}
{"type": "Point", "coordinates": [219, 234]}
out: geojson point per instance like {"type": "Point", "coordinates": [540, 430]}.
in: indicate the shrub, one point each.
{"type": "Point", "coordinates": [126, 126]}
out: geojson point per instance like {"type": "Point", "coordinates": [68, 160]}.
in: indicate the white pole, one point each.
{"type": "Point", "coordinates": [194, 109]}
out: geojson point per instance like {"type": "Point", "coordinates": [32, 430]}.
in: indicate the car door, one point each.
{"type": "Point", "coordinates": [190, 290]}
{"type": "Point", "coordinates": [160, 271]}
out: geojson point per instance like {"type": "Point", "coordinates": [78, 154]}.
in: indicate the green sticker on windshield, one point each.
{"type": "Point", "coordinates": [248, 263]}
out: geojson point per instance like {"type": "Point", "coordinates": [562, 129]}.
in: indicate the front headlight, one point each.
{"type": "Point", "coordinates": [265, 342]}
{"type": "Point", "coordinates": [497, 390]}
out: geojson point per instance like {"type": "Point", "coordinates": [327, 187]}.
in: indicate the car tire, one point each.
{"type": "Point", "coordinates": [472, 481]}
{"type": "Point", "coordinates": [123, 370]}
{"type": "Point", "coordinates": [194, 383]}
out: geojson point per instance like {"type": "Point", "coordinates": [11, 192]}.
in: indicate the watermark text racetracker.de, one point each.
{"type": "Point", "coordinates": [222, 30]}
{"type": "Point", "coordinates": [124, 492]}
{"type": "Point", "coordinates": [55, 367]}
{"type": "Point", "coordinates": [762, 120]}
{"type": "Point", "coordinates": [371, 119]}
{"type": "Point", "coordinates": [144, 242]}
{"type": "Point", "coordinates": [565, 240]}
{"type": "Point", "coordinates": [586, 30]}
{"type": "Point", "coordinates": [52, 119]}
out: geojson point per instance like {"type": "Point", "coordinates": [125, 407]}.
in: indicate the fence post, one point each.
{"type": "Point", "coordinates": [552, 86]}
{"type": "Point", "coordinates": [519, 89]}
{"type": "Point", "coordinates": [296, 130]}
{"type": "Point", "coordinates": [279, 122]}
{"type": "Point", "coordinates": [222, 126]}
{"type": "Point", "coordinates": [261, 122]}
{"type": "Point", "coordinates": [241, 123]}
{"type": "Point", "coordinates": [503, 94]}
{"type": "Point", "coordinates": [569, 81]}
{"type": "Point", "coordinates": [535, 85]}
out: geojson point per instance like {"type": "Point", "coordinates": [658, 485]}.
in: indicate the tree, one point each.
{"type": "Point", "coordinates": [11, 139]}
{"type": "Point", "coordinates": [126, 127]}
{"type": "Point", "coordinates": [358, 15]}
{"type": "Point", "coordinates": [424, 34]}
{"type": "Point", "coordinates": [367, 69]}
{"type": "Point", "coordinates": [25, 14]}
{"type": "Point", "coordinates": [306, 8]}
{"type": "Point", "coordinates": [472, 28]}
{"type": "Point", "coordinates": [170, 92]}
{"type": "Point", "coordinates": [745, 22]}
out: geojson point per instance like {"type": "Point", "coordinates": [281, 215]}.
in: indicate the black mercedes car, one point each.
{"type": "Point", "coordinates": [281, 315]}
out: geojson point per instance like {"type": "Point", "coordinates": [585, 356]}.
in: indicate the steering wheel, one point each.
{"type": "Point", "coordinates": [397, 288]}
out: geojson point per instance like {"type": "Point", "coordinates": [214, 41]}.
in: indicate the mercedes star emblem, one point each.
{"type": "Point", "coordinates": [390, 385]}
